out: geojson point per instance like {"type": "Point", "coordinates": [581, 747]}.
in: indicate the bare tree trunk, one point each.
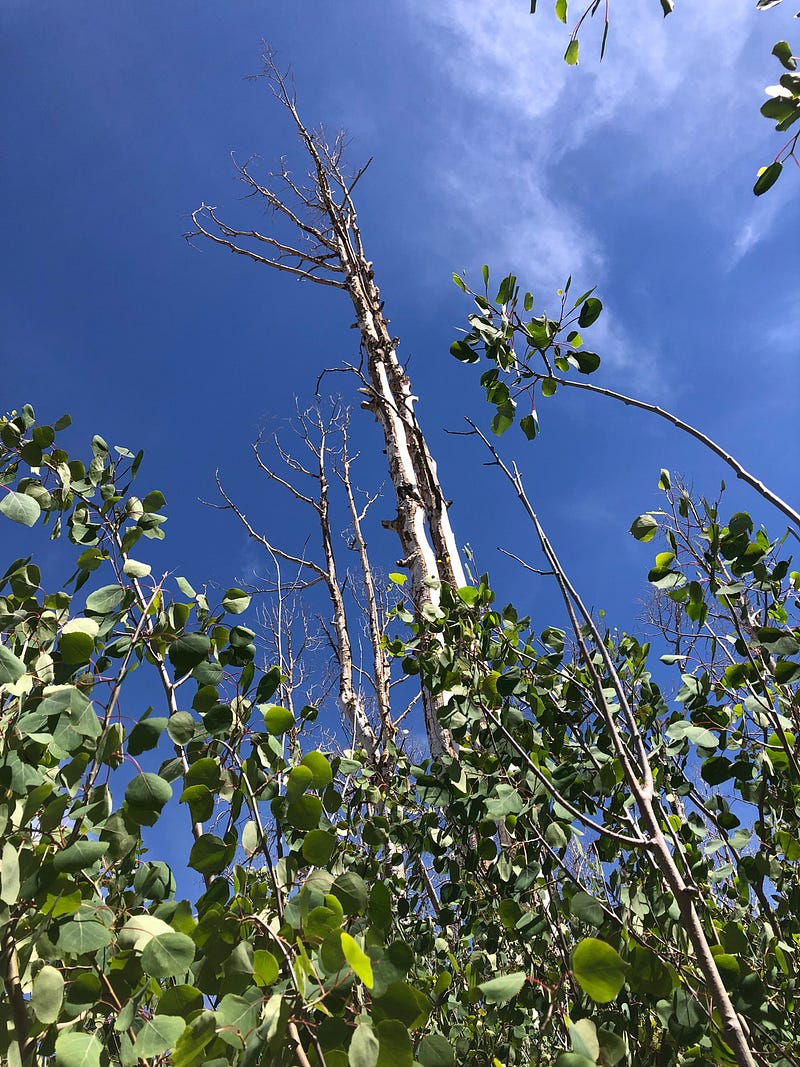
{"type": "Point", "coordinates": [325, 247]}
{"type": "Point", "coordinates": [315, 432]}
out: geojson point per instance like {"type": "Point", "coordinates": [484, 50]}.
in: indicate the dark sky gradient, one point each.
{"type": "Point", "coordinates": [120, 118]}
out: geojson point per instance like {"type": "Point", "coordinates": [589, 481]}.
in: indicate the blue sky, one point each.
{"type": "Point", "coordinates": [634, 175]}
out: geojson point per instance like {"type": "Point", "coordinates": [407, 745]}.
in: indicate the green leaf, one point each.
{"type": "Point", "coordinates": [599, 969]}
{"type": "Point", "coordinates": [21, 508]}
{"type": "Point", "coordinates": [502, 989]}
{"type": "Point", "coordinates": [588, 362]}
{"type": "Point", "coordinates": [183, 1000]}
{"type": "Point", "coordinates": [265, 967]}
{"type": "Point", "coordinates": [571, 56]}
{"type": "Point", "coordinates": [168, 955]}
{"type": "Point", "coordinates": [783, 52]}
{"type": "Point", "coordinates": [105, 601]}
{"type": "Point", "coordinates": [236, 1018]}
{"type": "Point", "coordinates": [583, 1036]}
{"type": "Point", "coordinates": [786, 671]}
{"type": "Point", "coordinates": [716, 770]}
{"type": "Point", "coordinates": [459, 281]}
{"type": "Point", "coordinates": [48, 994]}
{"type": "Point", "coordinates": [767, 177]}
{"type": "Point", "coordinates": [503, 419]}
{"type": "Point", "coordinates": [304, 812]}
{"type": "Point", "coordinates": [644, 528]}
{"type": "Point", "coordinates": [78, 857]}
{"type": "Point", "coordinates": [321, 773]}
{"type": "Point", "coordinates": [364, 1047]}
{"type": "Point", "coordinates": [11, 668]}
{"type": "Point", "coordinates": [77, 1050]}
{"type": "Point", "coordinates": [236, 601]}
{"type": "Point", "coordinates": [210, 854]}
{"type": "Point", "coordinates": [186, 587]}
{"type": "Point", "coordinates": [139, 930]}
{"type": "Point", "coordinates": [197, 1034]}
{"type": "Point", "coordinates": [358, 960]}
{"type": "Point", "coordinates": [590, 312]}
{"type": "Point", "coordinates": [146, 795]}
{"type": "Point", "coordinates": [462, 351]}
{"type": "Point", "coordinates": [648, 974]}
{"type": "Point", "coordinates": [145, 734]}
{"type": "Point", "coordinates": [9, 874]}
{"type": "Point", "coordinates": [318, 846]}
{"type": "Point", "coordinates": [76, 641]}
{"type": "Point", "coordinates": [587, 909]}
{"type": "Point", "coordinates": [180, 727]}
{"type": "Point", "coordinates": [188, 652]}
{"type": "Point", "coordinates": [351, 891]}
{"type": "Point", "coordinates": [153, 501]}
{"type": "Point", "coordinates": [436, 1051]}
{"type": "Point", "coordinates": [549, 387]}
{"type": "Point", "coordinates": [134, 569]}
{"type": "Point", "coordinates": [395, 1049]}
{"type": "Point", "coordinates": [612, 1048]}
{"type": "Point", "coordinates": [277, 720]}
{"type": "Point", "coordinates": [561, 10]}
{"type": "Point", "coordinates": [81, 936]}
{"type": "Point", "coordinates": [529, 425]}
{"type": "Point", "coordinates": [574, 1059]}
{"type": "Point", "coordinates": [158, 1035]}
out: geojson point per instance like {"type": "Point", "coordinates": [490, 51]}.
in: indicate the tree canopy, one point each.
{"type": "Point", "coordinates": [594, 858]}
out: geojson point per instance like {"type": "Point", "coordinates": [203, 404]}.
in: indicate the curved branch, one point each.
{"type": "Point", "coordinates": [718, 450]}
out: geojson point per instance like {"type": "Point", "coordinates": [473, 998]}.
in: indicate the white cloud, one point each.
{"type": "Point", "coordinates": [761, 218]}
{"type": "Point", "coordinates": [509, 138]}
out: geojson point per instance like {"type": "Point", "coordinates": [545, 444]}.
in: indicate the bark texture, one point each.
{"type": "Point", "coordinates": [325, 246]}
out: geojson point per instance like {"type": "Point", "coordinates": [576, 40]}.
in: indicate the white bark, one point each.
{"type": "Point", "coordinates": [329, 251]}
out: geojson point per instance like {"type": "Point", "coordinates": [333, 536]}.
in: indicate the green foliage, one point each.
{"type": "Point", "coordinates": [506, 903]}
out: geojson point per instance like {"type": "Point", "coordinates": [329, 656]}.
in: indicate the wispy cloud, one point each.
{"type": "Point", "coordinates": [507, 159]}
{"type": "Point", "coordinates": [761, 218]}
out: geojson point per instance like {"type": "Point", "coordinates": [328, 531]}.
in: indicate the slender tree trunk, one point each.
{"type": "Point", "coordinates": [325, 247]}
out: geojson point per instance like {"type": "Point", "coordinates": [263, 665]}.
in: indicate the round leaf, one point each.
{"type": "Point", "coordinates": [587, 909]}
{"type": "Point", "coordinates": [599, 969]}
{"type": "Point", "coordinates": [318, 847]}
{"type": "Point", "coordinates": [236, 601]}
{"type": "Point", "coordinates": [363, 1051]}
{"type": "Point", "coordinates": [168, 955]}
{"type": "Point", "coordinates": [321, 772]}
{"type": "Point", "coordinates": [210, 854]}
{"type": "Point", "coordinates": [158, 1035]}
{"type": "Point", "coordinates": [21, 508]}
{"type": "Point", "coordinates": [105, 601]}
{"type": "Point", "coordinates": [180, 727]}
{"type": "Point", "coordinates": [188, 652]}
{"type": "Point", "coordinates": [590, 311]}
{"type": "Point", "coordinates": [351, 891]}
{"type": "Point", "coordinates": [305, 812]}
{"type": "Point", "coordinates": [502, 989]}
{"type": "Point", "coordinates": [48, 994]}
{"type": "Point", "coordinates": [436, 1051]}
{"type": "Point", "coordinates": [145, 796]}
{"type": "Point", "coordinates": [77, 1050]}
{"type": "Point", "coordinates": [79, 856]}
{"type": "Point", "coordinates": [277, 720]}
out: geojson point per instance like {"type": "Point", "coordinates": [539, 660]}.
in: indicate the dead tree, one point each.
{"type": "Point", "coordinates": [325, 246]}
{"type": "Point", "coordinates": [308, 480]}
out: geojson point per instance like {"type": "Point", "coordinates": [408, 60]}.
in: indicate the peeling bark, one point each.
{"type": "Point", "coordinates": [328, 250]}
